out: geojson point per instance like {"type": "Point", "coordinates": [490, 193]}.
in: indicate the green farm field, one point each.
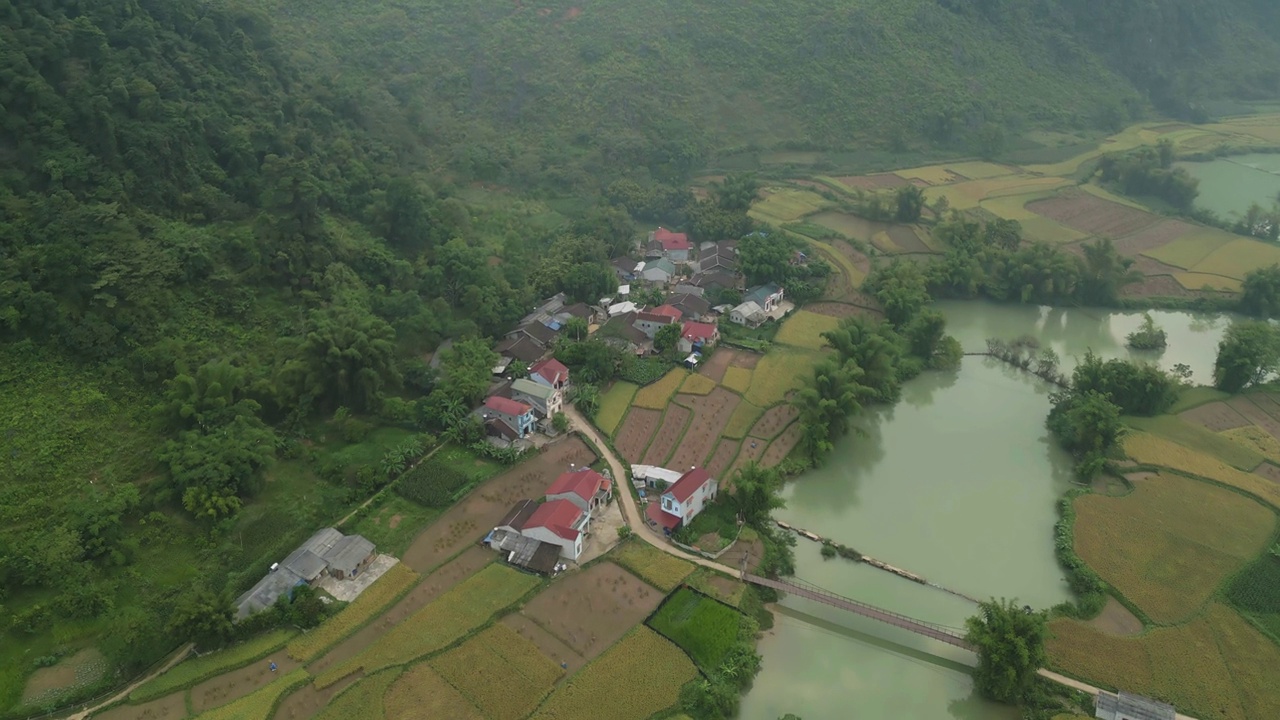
{"type": "Point", "coordinates": [704, 627]}
{"type": "Point", "coordinates": [613, 405]}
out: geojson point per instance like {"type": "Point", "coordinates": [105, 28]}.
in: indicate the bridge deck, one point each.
{"type": "Point", "coordinates": [817, 594]}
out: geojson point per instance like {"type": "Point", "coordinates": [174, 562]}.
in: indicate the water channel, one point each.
{"type": "Point", "coordinates": [957, 483]}
{"type": "Point", "coordinates": [1228, 186]}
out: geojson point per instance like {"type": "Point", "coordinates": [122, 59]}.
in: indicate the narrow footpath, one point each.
{"type": "Point", "coordinates": [177, 658]}
{"type": "Point", "coordinates": [639, 527]}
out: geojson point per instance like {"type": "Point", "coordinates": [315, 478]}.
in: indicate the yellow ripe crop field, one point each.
{"type": "Point", "coordinates": [789, 204]}
{"type": "Point", "coordinates": [782, 370]}
{"type": "Point", "coordinates": [698, 385]}
{"type": "Point", "coordinates": [194, 670]}
{"type": "Point", "coordinates": [1042, 229]}
{"type": "Point", "coordinates": [737, 379]}
{"type": "Point", "coordinates": [655, 396]}
{"type": "Point", "coordinates": [980, 170]}
{"type": "Point", "coordinates": [363, 700]}
{"type": "Point", "coordinates": [421, 694]}
{"type": "Point", "coordinates": [657, 568]}
{"type": "Point", "coordinates": [1190, 249]}
{"type": "Point", "coordinates": [1252, 658]}
{"type": "Point", "coordinates": [744, 416]}
{"type": "Point", "coordinates": [375, 598]}
{"type": "Point", "coordinates": [639, 677]}
{"type": "Point", "coordinates": [1151, 450]}
{"type": "Point", "coordinates": [1101, 192]}
{"type": "Point", "coordinates": [1256, 439]}
{"type": "Point", "coordinates": [500, 671]}
{"type": "Point", "coordinates": [932, 174]}
{"type": "Point", "coordinates": [261, 703]}
{"type": "Point", "coordinates": [804, 329]}
{"type": "Point", "coordinates": [883, 242]}
{"type": "Point", "coordinates": [1164, 545]}
{"type": "Point", "coordinates": [460, 610]}
{"type": "Point", "coordinates": [1239, 257]}
{"type": "Point", "coordinates": [1199, 281]}
{"type": "Point", "coordinates": [614, 404]}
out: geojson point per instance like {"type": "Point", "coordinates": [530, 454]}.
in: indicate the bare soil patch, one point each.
{"type": "Point", "coordinates": [752, 449]}
{"type": "Point", "coordinates": [672, 429]}
{"type": "Point", "coordinates": [635, 432]}
{"type": "Point", "coordinates": [1215, 416]}
{"type": "Point", "coordinates": [550, 645]}
{"type": "Point", "coordinates": [1115, 619]}
{"type": "Point", "coordinates": [837, 309]}
{"type": "Point", "coordinates": [1153, 236]}
{"type": "Point", "coordinates": [1267, 403]}
{"type": "Point", "coordinates": [782, 445]}
{"type": "Point", "coordinates": [46, 684]}
{"type": "Point", "coordinates": [236, 684]}
{"type": "Point", "coordinates": [726, 450]}
{"type": "Point", "coordinates": [860, 260]}
{"type": "Point", "coordinates": [754, 551]}
{"type": "Point", "coordinates": [774, 420]}
{"type": "Point", "coordinates": [715, 366]}
{"type": "Point", "coordinates": [308, 700]}
{"type": "Point", "coordinates": [469, 520]}
{"type": "Point", "coordinates": [1255, 415]}
{"type": "Point", "coordinates": [1150, 266]}
{"type": "Point", "coordinates": [1084, 212]}
{"type": "Point", "coordinates": [169, 707]}
{"type": "Point", "coordinates": [435, 585]}
{"type": "Point", "coordinates": [1156, 286]}
{"type": "Point", "coordinates": [1268, 471]}
{"type": "Point", "coordinates": [745, 360]}
{"type": "Point", "coordinates": [394, 522]}
{"type": "Point", "coordinates": [872, 182]}
{"type": "Point", "coordinates": [711, 414]}
{"type": "Point", "coordinates": [592, 609]}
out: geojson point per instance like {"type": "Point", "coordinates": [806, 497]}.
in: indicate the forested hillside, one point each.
{"type": "Point", "coordinates": [557, 91]}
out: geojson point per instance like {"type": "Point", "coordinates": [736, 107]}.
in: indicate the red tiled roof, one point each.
{"type": "Point", "coordinates": [672, 240]}
{"type": "Point", "coordinates": [688, 483]}
{"type": "Point", "coordinates": [670, 311]}
{"type": "Point", "coordinates": [663, 519]}
{"type": "Point", "coordinates": [506, 406]}
{"type": "Point", "coordinates": [551, 370]}
{"type": "Point", "coordinates": [584, 483]}
{"type": "Point", "coordinates": [660, 319]}
{"type": "Point", "coordinates": [558, 516]}
{"type": "Point", "coordinates": [699, 332]}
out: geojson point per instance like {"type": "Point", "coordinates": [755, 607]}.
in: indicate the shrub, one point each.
{"type": "Point", "coordinates": [1090, 590]}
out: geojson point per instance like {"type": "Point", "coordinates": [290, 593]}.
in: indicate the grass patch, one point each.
{"type": "Point", "coordinates": [376, 598]}
{"type": "Point", "coordinates": [261, 703]}
{"type": "Point", "coordinates": [737, 379]}
{"type": "Point", "coordinates": [363, 700]}
{"type": "Point", "coordinates": [638, 677]}
{"type": "Point", "coordinates": [1198, 438]}
{"type": "Point", "coordinates": [698, 385]}
{"type": "Point", "coordinates": [407, 516]}
{"type": "Point", "coordinates": [710, 583]}
{"type": "Point", "coordinates": [979, 170]}
{"type": "Point", "coordinates": [198, 669]}
{"type": "Point", "coordinates": [613, 405]}
{"type": "Point", "coordinates": [1149, 449]}
{"type": "Point", "coordinates": [501, 672]}
{"type": "Point", "coordinates": [1239, 257]}
{"type": "Point", "coordinates": [1164, 545]}
{"type": "Point", "coordinates": [705, 628]}
{"type": "Point", "coordinates": [462, 609]}
{"type": "Point", "coordinates": [651, 565]}
{"type": "Point", "coordinates": [1255, 591]}
{"type": "Point", "coordinates": [804, 329]}
{"type": "Point", "coordinates": [1196, 396]}
{"type": "Point", "coordinates": [657, 395]}
{"type": "Point", "coordinates": [779, 372]}
{"type": "Point", "coordinates": [422, 693]}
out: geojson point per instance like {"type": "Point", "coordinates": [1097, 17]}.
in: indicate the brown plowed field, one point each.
{"type": "Point", "coordinates": [1216, 416]}
{"type": "Point", "coordinates": [435, 585]}
{"type": "Point", "coordinates": [1150, 266]}
{"type": "Point", "coordinates": [744, 359]}
{"type": "Point", "coordinates": [1267, 402]}
{"type": "Point", "coordinates": [1089, 214]}
{"type": "Point", "coordinates": [469, 520]}
{"type": "Point", "coordinates": [746, 455]}
{"type": "Point", "coordinates": [782, 445]}
{"type": "Point", "coordinates": [1153, 236]}
{"type": "Point", "coordinates": [233, 685]}
{"type": "Point", "coordinates": [1256, 415]}
{"type": "Point", "coordinates": [715, 367]}
{"type": "Point", "coordinates": [774, 420]}
{"type": "Point", "coordinates": [169, 707]}
{"type": "Point", "coordinates": [710, 415]}
{"type": "Point", "coordinates": [1156, 286]}
{"type": "Point", "coordinates": [307, 701]}
{"type": "Point", "coordinates": [635, 432]}
{"type": "Point", "coordinates": [672, 429]}
{"type": "Point", "coordinates": [726, 450]}
{"type": "Point", "coordinates": [592, 609]}
{"type": "Point", "coordinates": [860, 261]}
{"type": "Point", "coordinates": [837, 310]}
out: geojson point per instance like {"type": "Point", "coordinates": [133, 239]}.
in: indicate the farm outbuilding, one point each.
{"type": "Point", "coordinates": [1127, 706]}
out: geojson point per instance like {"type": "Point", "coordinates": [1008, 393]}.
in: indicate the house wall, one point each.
{"type": "Point", "coordinates": [522, 423]}
{"type": "Point", "coordinates": [583, 505]}
{"type": "Point", "coordinates": [678, 255]}
{"type": "Point", "coordinates": [649, 327]}
{"type": "Point", "coordinates": [569, 549]}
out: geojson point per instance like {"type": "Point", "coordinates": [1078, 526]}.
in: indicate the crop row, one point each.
{"type": "Point", "coordinates": [501, 672]}
{"type": "Point", "coordinates": [654, 567]}
{"type": "Point", "coordinates": [371, 603]}
{"type": "Point", "coordinates": [260, 704]}
{"type": "Point", "coordinates": [1151, 450]}
{"type": "Point", "coordinates": [195, 670]}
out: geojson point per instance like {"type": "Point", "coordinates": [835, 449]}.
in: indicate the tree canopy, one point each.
{"type": "Point", "coordinates": [1010, 643]}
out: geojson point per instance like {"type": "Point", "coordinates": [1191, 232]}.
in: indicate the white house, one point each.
{"type": "Point", "coordinates": [766, 296]}
{"type": "Point", "coordinates": [748, 313]}
{"type": "Point", "coordinates": [550, 372]}
{"type": "Point", "coordinates": [545, 400]}
{"type": "Point", "coordinates": [650, 322]}
{"type": "Point", "coordinates": [682, 502]}
{"type": "Point", "coordinates": [559, 522]}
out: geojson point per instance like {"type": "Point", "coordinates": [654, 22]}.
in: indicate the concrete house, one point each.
{"type": "Point", "coordinates": [585, 488]}
{"type": "Point", "coordinates": [675, 246]}
{"type": "Point", "coordinates": [550, 372]}
{"type": "Point", "coordinates": [716, 280]}
{"type": "Point", "coordinates": [649, 323]}
{"type": "Point", "coordinates": [326, 553]}
{"type": "Point", "coordinates": [698, 336]}
{"type": "Point", "coordinates": [559, 522]}
{"type": "Point", "coordinates": [520, 348]}
{"type": "Point", "coordinates": [545, 400]}
{"type": "Point", "coordinates": [516, 415]}
{"type": "Point", "coordinates": [622, 333]}
{"type": "Point", "coordinates": [624, 268]}
{"type": "Point", "coordinates": [748, 313]}
{"type": "Point", "coordinates": [691, 307]}
{"type": "Point", "coordinates": [658, 272]}
{"type": "Point", "coordinates": [1127, 706]}
{"type": "Point", "coordinates": [682, 502]}
{"type": "Point", "coordinates": [766, 296]}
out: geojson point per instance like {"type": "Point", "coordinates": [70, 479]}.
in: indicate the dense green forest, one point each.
{"type": "Point", "coordinates": [232, 230]}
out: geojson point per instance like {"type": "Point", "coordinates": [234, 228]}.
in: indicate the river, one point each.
{"type": "Point", "coordinates": [1229, 185]}
{"type": "Point", "coordinates": [957, 483]}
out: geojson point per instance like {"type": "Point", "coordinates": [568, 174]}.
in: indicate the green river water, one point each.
{"type": "Point", "coordinates": [957, 483]}
{"type": "Point", "coordinates": [1229, 185]}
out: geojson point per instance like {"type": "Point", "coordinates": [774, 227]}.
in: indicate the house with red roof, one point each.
{"type": "Point", "coordinates": [550, 372]}
{"type": "Point", "coordinates": [698, 336]}
{"type": "Point", "coordinates": [514, 414]}
{"type": "Point", "coordinates": [559, 522]}
{"type": "Point", "coordinates": [675, 246]}
{"type": "Point", "coordinates": [585, 488]}
{"type": "Point", "coordinates": [649, 322]}
{"type": "Point", "coordinates": [682, 501]}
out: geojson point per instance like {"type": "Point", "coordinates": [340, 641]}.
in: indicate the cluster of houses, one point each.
{"type": "Point", "coordinates": [518, 408]}
{"type": "Point", "coordinates": [681, 496]}
{"type": "Point", "coordinates": [328, 553]}
{"type": "Point", "coordinates": [541, 535]}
